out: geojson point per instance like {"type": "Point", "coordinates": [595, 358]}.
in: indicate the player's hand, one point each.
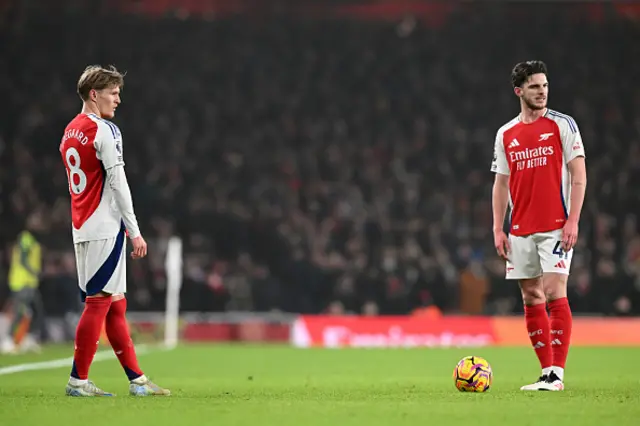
{"type": "Point", "coordinates": [569, 235]}
{"type": "Point", "coordinates": [139, 248]}
{"type": "Point", "coordinates": [501, 243]}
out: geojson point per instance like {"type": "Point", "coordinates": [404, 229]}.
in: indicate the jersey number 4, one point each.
{"type": "Point", "coordinates": [557, 250]}
{"type": "Point", "coordinates": [77, 178]}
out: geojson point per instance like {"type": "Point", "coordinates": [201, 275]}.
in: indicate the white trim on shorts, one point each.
{"type": "Point", "coordinates": [101, 265]}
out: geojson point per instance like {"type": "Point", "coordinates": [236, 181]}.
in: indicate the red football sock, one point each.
{"type": "Point", "coordinates": [120, 339]}
{"type": "Point", "coordinates": [88, 334]}
{"type": "Point", "coordinates": [561, 321]}
{"type": "Point", "coordinates": [539, 332]}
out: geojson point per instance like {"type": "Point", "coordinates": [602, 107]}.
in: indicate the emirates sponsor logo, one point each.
{"type": "Point", "coordinates": [528, 154]}
{"type": "Point", "coordinates": [530, 158]}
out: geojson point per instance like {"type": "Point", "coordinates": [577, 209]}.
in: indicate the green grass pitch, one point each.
{"type": "Point", "coordinates": [277, 385]}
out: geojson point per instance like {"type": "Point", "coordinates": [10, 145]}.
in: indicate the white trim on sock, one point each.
{"type": "Point", "coordinates": [77, 382]}
{"type": "Point", "coordinates": [546, 371]}
{"type": "Point", "coordinates": [139, 380]}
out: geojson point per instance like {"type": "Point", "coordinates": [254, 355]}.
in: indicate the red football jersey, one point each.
{"type": "Point", "coordinates": [89, 147]}
{"type": "Point", "coordinates": [535, 157]}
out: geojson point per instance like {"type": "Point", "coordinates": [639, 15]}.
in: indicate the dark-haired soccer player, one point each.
{"type": "Point", "coordinates": [540, 172]}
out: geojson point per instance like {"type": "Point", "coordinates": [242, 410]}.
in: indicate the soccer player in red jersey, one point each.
{"type": "Point", "coordinates": [540, 172]}
{"type": "Point", "coordinates": [102, 217]}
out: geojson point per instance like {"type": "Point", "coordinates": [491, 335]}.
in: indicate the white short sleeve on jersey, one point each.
{"type": "Point", "coordinates": [108, 145]}
{"type": "Point", "coordinates": [499, 163]}
{"type": "Point", "coordinates": [572, 146]}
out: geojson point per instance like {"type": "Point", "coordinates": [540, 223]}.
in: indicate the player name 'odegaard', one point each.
{"type": "Point", "coordinates": [75, 134]}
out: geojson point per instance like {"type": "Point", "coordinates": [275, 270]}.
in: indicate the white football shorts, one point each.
{"type": "Point", "coordinates": [102, 265]}
{"type": "Point", "coordinates": [535, 254]}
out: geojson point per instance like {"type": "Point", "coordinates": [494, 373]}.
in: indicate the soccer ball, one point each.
{"type": "Point", "coordinates": [473, 374]}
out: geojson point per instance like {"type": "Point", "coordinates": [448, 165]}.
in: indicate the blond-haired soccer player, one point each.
{"type": "Point", "coordinates": [102, 217]}
{"type": "Point", "coordinates": [539, 162]}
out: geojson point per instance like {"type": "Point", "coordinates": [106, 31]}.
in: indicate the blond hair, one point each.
{"type": "Point", "coordinates": [96, 77]}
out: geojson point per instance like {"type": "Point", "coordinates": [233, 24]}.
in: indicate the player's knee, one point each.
{"type": "Point", "coordinates": [555, 287]}
{"type": "Point", "coordinates": [119, 307]}
{"type": "Point", "coordinates": [117, 296]}
{"type": "Point", "coordinates": [555, 292]}
{"type": "Point", "coordinates": [532, 292]}
{"type": "Point", "coordinates": [534, 297]}
{"type": "Point", "coordinates": [100, 294]}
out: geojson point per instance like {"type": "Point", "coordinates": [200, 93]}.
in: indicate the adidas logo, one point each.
{"type": "Point", "coordinates": [561, 265]}
{"type": "Point", "coordinates": [539, 345]}
{"type": "Point", "coordinates": [513, 143]}
{"type": "Point", "coordinates": [556, 342]}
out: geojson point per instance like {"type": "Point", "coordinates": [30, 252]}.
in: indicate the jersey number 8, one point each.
{"type": "Point", "coordinates": [75, 173]}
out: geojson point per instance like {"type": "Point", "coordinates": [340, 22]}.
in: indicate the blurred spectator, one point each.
{"type": "Point", "coordinates": [326, 166]}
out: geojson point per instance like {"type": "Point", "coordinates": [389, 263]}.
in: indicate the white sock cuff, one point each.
{"type": "Point", "coordinates": [139, 380]}
{"type": "Point", "coordinates": [77, 382]}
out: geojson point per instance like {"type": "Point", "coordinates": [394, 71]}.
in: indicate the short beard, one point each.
{"type": "Point", "coordinates": [533, 106]}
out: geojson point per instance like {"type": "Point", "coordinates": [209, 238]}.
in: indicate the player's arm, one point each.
{"type": "Point", "coordinates": [117, 179]}
{"type": "Point", "coordinates": [574, 156]}
{"type": "Point", "coordinates": [500, 196]}
{"type": "Point", "coordinates": [578, 171]}
{"type": "Point", "coordinates": [113, 164]}
{"type": "Point", "coordinates": [499, 200]}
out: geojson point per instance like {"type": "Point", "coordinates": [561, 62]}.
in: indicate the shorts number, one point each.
{"type": "Point", "coordinates": [75, 170]}
{"type": "Point", "coordinates": [558, 251]}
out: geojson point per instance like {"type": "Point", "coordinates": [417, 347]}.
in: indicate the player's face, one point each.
{"type": "Point", "coordinates": [534, 92]}
{"type": "Point", "coordinates": [108, 100]}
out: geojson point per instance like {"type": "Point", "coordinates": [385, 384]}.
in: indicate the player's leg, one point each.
{"type": "Point", "coordinates": [116, 325]}
{"type": "Point", "coordinates": [27, 333]}
{"type": "Point", "coordinates": [524, 266]}
{"type": "Point", "coordinates": [538, 327]}
{"type": "Point", "coordinates": [8, 345]}
{"type": "Point", "coordinates": [23, 314]}
{"type": "Point", "coordinates": [95, 264]}
{"type": "Point", "coordinates": [120, 339]}
{"type": "Point", "coordinates": [119, 336]}
{"type": "Point", "coordinates": [86, 345]}
{"type": "Point", "coordinates": [556, 265]}
{"type": "Point", "coordinates": [118, 333]}
{"type": "Point", "coordinates": [37, 327]}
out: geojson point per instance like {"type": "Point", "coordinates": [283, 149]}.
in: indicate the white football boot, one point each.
{"type": "Point", "coordinates": [547, 382]}
{"type": "Point", "coordinates": [87, 388]}
{"type": "Point", "coordinates": [554, 383]}
{"type": "Point", "coordinates": [142, 386]}
{"type": "Point", "coordinates": [542, 381]}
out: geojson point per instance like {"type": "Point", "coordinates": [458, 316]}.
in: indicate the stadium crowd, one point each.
{"type": "Point", "coordinates": [322, 166]}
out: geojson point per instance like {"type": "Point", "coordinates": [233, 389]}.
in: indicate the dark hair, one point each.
{"type": "Point", "coordinates": [523, 70]}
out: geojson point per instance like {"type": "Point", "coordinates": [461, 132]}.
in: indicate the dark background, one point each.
{"type": "Point", "coordinates": [322, 156]}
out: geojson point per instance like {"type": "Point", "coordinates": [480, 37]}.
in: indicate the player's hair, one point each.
{"type": "Point", "coordinates": [95, 77]}
{"type": "Point", "coordinates": [523, 70]}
